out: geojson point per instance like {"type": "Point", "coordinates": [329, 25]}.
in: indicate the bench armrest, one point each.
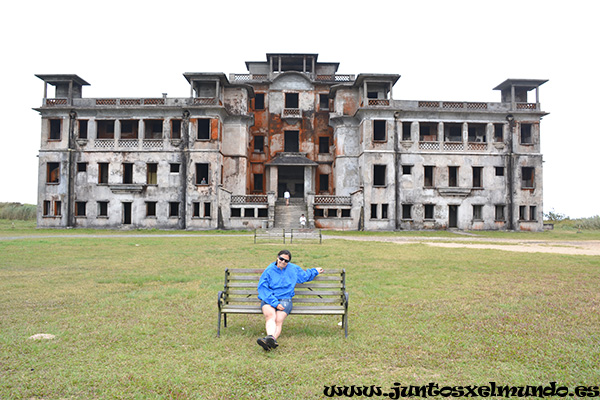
{"type": "Point", "coordinates": [220, 299]}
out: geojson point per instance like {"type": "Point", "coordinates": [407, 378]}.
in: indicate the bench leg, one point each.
{"type": "Point", "coordinates": [219, 325]}
{"type": "Point", "coordinates": [224, 320]}
{"type": "Point", "coordinates": [345, 324]}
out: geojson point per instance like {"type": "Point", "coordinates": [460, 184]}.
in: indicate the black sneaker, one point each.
{"type": "Point", "coordinates": [262, 342]}
{"type": "Point", "coordinates": [271, 341]}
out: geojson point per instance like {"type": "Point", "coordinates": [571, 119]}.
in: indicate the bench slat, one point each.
{"type": "Point", "coordinates": [260, 271]}
{"type": "Point", "coordinates": [298, 293]}
{"type": "Point", "coordinates": [255, 299]}
{"type": "Point", "coordinates": [312, 285]}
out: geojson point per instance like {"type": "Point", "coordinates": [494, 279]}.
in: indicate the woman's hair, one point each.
{"type": "Point", "coordinates": [286, 252]}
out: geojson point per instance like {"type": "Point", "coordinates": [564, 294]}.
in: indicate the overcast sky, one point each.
{"type": "Point", "coordinates": [443, 50]}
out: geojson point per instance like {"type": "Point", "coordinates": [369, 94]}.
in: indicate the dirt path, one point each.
{"type": "Point", "coordinates": [583, 247]}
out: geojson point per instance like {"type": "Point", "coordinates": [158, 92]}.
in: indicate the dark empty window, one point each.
{"type": "Point", "coordinates": [152, 174]}
{"type": "Point", "coordinates": [258, 183]}
{"type": "Point", "coordinates": [477, 177]}
{"type": "Point", "coordinates": [499, 171]}
{"type": "Point", "coordinates": [319, 213]}
{"type": "Point", "coordinates": [201, 174]}
{"type": "Point", "coordinates": [53, 172]}
{"type": "Point", "coordinates": [80, 208]}
{"type": "Point", "coordinates": [324, 183]}
{"type": "Point", "coordinates": [127, 173]}
{"type": "Point", "coordinates": [175, 129]}
{"type": "Point", "coordinates": [324, 101]}
{"type": "Point", "coordinates": [103, 208]}
{"type": "Point", "coordinates": [83, 128]}
{"type": "Point", "coordinates": [291, 100]}
{"type": "Point", "coordinates": [102, 173]}
{"type": "Point", "coordinates": [452, 176]}
{"type": "Point", "coordinates": [498, 132]}
{"type": "Point", "coordinates": [174, 168]}
{"type": "Point", "coordinates": [379, 130]}
{"type": "Point", "coordinates": [526, 137]}
{"type": "Point", "coordinates": [154, 129]}
{"type": "Point", "coordinates": [196, 211]}
{"type": "Point", "coordinates": [428, 178]}
{"type": "Point", "coordinates": [332, 212]}
{"type": "Point", "coordinates": [55, 129]}
{"type": "Point", "coordinates": [129, 129]}
{"type": "Point", "coordinates": [291, 144]}
{"type": "Point", "coordinates": [105, 129]}
{"type": "Point", "coordinates": [429, 208]}
{"type": "Point", "coordinates": [379, 175]}
{"type": "Point", "coordinates": [259, 101]}
{"type": "Point", "coordinates": [263, 213]}
{"type": "Point", "coordinates": [82, 167]}
{"type": "Point", "coordinates": [527, 177]}
{"type": "Point", "coordinates": [374, 211]}
{"type": "Point", "coordinates": [477, 133]}
{"type": "Point", "coordinates": [406, 131]}
{"type": "Point", "coordinates": [173, 209]}
{"type": "Point", "coordinates": [249, 212]}
{"type": "Point", "coordinates": [406, 211]}
{"type": "Point", "coordinates": [150, 209]}
{"type": "Point", "coordinates": [236, 212]}
{"type": "Point", "coordinates": [323, 144]}
{"type": "Point", "coordinates": [207, 210]}
{"type": "Point", "coordinates": [428, 132]}
{"type": "Point", "coordinates": [204, 129]}
{"type": "Point", "coordinates": [259, 144]}
{"type": "Point", "coordinates": [406, 169]}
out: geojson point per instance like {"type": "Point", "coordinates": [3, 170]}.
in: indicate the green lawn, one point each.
{"type": "Point", "coordinates": [135, 318]}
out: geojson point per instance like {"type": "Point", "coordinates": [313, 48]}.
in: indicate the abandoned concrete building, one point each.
{"type": "Point", "coordinates": [351, 156]}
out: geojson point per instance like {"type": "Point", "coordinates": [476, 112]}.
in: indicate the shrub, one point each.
{"type": "Point", "coordinates": [17, 211]}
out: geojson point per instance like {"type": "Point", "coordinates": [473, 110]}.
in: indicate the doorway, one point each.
{"type": "Point", "coordinates": [453, 216]}
{"type": "Point", "coordinates": [292, 179]}
{"type": "Point", "coordinates": [126, 213]}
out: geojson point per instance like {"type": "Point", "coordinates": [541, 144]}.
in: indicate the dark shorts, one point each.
{"type": "Point", "coordinates": [286, 303]}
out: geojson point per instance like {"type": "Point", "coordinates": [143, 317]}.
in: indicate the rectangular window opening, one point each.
{"type": "Point", "coordinates": [477, 212]}
{"type": "Point", "coordinates": [526, 136]}
{"type": "Point", "coordinates": [129, 129]}
{"type": "Point", "coordinates": [291, 142]}
{"type": "Point", "coordinates": [201, 174]}
{"type": "Point", "coordinates": [152, 174]}
{"type": "Point", "coordinates": [406, 131]}
{"type": "Point", "coordinates": [499, 171]}
{"type": "Point", "coordinates": [291, 100]}
{"type": "Point", "coordinates": [80, 208]}
{"type": "Point", "coordinates": [346, 213]}
{"type": "Point", "coordinates": [429, 208]}
{"type": "Point", "coordinates": [153, 129]}
{"type": "Point", "coordinates": [379, 130]}
{"type": "Point", "coordinates": [452, 132]}
{"type": "Point", "coordinates": [174, 168]}
{"type": "Point", "coordinates": [323, 144]}
{"type": "Point", "coordinates": [259, 144]}
{"type": "Point", "coordinates": [452, 176]}
{"type": "Point", "coordinates": [82, 128]}
{"type": "Point", "coordinates": [203, 129]}
{"type": "Point", "coordinates": [150, 209]}
{"type": "Point", "coordinates": [532, 213]}
{"type": "Point", "coordinates": [323, 101]}
{"type": "Point", "coordinates": [196, 209]}
{"type": "Point", "coordinates": [175, 129]}
{"type": "Point", "coordinates": [374, 208]}
{"type": "Point", "coordinates": [477, 177]}
{"type": "Point", "coordinates": [103, 208]}
{"type": "Point", "coordinates": [207, 210]}
{"type": "Point", "coordinates": [105, 129]}
{"type": "Point", "coordinates": [249, 212]}
{"type": "Point", "coordinates": [324, 183]}
{"type": "Point", "coordinates": [527, 177]}
{"type": "Point", "coordinates": [173, 209]}
{"type": "Point", "coordinates": [407, 211]}
{"type": "Point", "coordinates": [477, 133]}
{"type": "Point", "coordinates": [499, 213]}
{"type": "Point", "coordinates": [499, 133]}
{"type": "Point", "coordinates": [55, 125]}
{"type": "Point", "coordinates": [384, 211]}
{"type": "Point", "coordinates": [53, 172]}
{"type": "Point", "coordinates": [379, 175]}
{"type": "Point", "coordinates": [82, 167]}
{"type": "Point", "coordinates": [428, 178]}
{"type": "Point", "coordinates": [127, 172]}
{"type": "Point", "coordinates": [259, 101]}
{"type": "Point", "coordinates": [258, 183]}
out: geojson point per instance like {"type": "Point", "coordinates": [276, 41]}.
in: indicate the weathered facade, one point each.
{"type": "Point", "coordinates": [351, 155]}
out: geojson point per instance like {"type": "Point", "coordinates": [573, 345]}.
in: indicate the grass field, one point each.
{"type": "Point", "coordinates": [135, 318]}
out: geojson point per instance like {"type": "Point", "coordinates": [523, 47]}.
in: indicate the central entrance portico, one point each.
{"type": "Point", "coordinates": [293, 172]}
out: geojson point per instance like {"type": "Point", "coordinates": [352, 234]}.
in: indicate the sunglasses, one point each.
{"type": "Point", "coordinates": [283, 259]}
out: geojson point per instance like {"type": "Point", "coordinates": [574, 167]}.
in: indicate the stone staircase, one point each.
{"type": "Point", "coordinates": [288, 217]}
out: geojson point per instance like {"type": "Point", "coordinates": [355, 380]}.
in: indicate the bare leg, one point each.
{"type": "Point", "coordinates": [280, 316]}
{"type": "Point", "coordinates": [270, 319]}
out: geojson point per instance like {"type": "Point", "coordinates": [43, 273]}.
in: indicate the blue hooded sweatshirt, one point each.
{"type": "Point", "coordinates": [276, 284]}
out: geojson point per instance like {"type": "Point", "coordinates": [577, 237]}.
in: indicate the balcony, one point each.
{"type": "Point", "coordinates": [291, 113]}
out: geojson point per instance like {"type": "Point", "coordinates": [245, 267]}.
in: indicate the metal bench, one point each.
{"type": "Point", "coordinates": [325, 295]}
{"type": "Point", "coordinates": [306, 234]}
{"type": "Point", "coordinates": [271, 235]}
